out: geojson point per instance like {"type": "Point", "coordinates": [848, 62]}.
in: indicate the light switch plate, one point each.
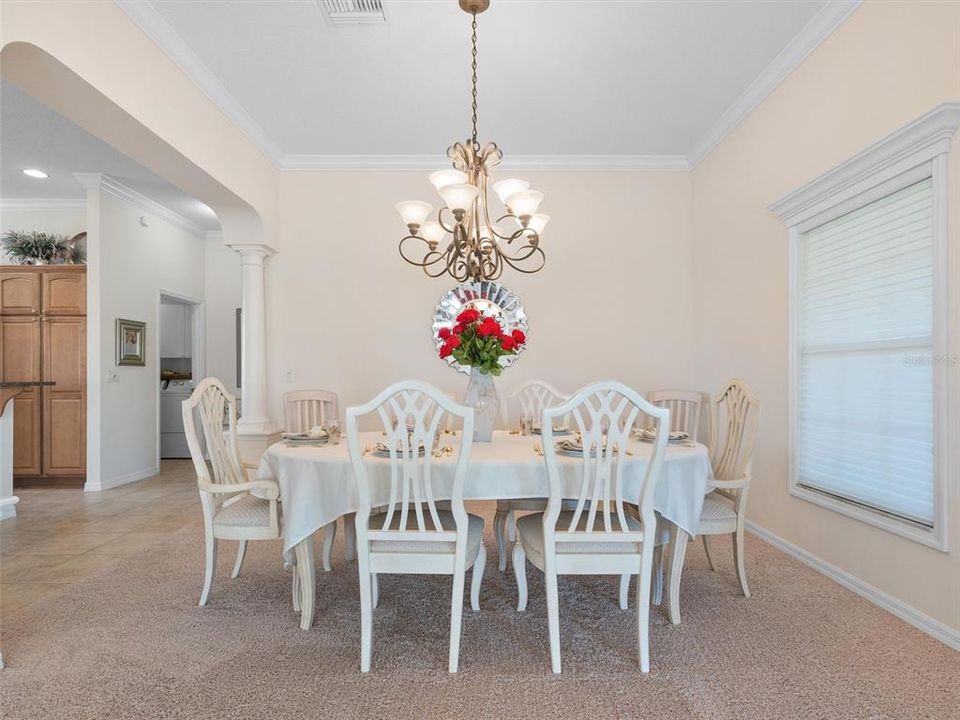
{"type": "Point", "coordinates": [288, 375]}
{"type": "Point", "coordinates": [113, 376]}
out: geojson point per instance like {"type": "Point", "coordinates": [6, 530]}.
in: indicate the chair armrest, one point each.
{"type": "Point", "coordinates": [728, 484]}
{"type": "Point", "coordinates": [268, 489]}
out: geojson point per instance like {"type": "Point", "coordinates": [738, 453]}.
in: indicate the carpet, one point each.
{"type": "Point", "coordinates": [132, 643]}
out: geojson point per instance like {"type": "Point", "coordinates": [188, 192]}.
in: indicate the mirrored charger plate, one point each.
{"type": "Point", "coordinates": [489, 298]}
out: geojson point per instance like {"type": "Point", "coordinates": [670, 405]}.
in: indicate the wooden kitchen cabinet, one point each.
{"type": "Point", "coordinates": [43, 340]}
{"type": "Point", "coordinates": [20, 349]}
{"type": "Point", "coordinates": [64, 292]}
{"type": "Point", "coordinates": [27, 433]}
{"type": "Point", "coordinates": [19, 291]}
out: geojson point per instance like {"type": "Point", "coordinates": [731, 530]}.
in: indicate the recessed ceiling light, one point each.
{"type": "Point", "coordinates": [34, 173]}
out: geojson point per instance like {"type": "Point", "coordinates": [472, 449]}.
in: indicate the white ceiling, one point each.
{"type": "Point", "coordinates": [557, 78]}
{"type": "Point", "coordinates": [34, 136]}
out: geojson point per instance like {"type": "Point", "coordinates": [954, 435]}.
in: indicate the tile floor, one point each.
{"type": "Point", "coordinates": [62, 535]}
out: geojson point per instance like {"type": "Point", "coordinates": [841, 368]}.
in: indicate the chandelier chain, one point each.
{"type": "Point", "coordinates": [473, 41]}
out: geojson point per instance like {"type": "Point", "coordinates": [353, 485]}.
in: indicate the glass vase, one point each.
{"type": "Point", "coordinates": [482, 397]}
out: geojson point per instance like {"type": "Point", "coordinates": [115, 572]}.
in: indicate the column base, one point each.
{"type": "Point", "coordinates": [254, 438]}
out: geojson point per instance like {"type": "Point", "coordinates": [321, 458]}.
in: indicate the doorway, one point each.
{"type": "Point", "coordinates": [180, 352]}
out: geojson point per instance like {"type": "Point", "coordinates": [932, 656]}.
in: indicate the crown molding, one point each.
{"type": "Point", "coordinates": [167, 39]}
{"type": "Point", "coordinates": [42, 203]}
{"type": "Point", "coordinates": [113, 187]}
{"type": "Point", "coordinates": [818, 29]}
{"type": "Point", "coordinates": [912, 145]}
{"type": "Point", "coordinates": [664, 163]}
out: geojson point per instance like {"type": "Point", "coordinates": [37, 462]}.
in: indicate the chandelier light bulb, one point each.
{"type": "Point", "coordinates": [506, 188]}
{"type": "Point", "coordinates": [538, 222]}
{"type": "Point", "coordinates": [525, 203]}
{"type": "Point", "coordinates": [459, 196]}
{"type": "Point", "coordinates": [432, 232]}
{"type": "Point", "coordinates": [413, 213]}
{"type": "Point", "coordinates": [442, 178]}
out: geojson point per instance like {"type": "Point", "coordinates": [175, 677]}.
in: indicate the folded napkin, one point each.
{"type": "Point", "coordinates": [649, 434]}
{"type": "Point", "coordinates": [569, 445]}
{"type": "Point", "coordinates": [385, 449]}
{"type": "Point", "coordinates": [556, 428]}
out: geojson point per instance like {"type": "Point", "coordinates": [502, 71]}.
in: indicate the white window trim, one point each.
{"type": "Point", "coordinates": [916, 151]}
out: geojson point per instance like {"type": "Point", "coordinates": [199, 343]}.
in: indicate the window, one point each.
{"type": "Point", "coordinates": [869, 354]}
{"type": "Point", "coordinates": [864, 392]}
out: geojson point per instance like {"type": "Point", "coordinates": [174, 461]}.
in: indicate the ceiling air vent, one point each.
{"type": "Point", "coordinates": [342, 12]}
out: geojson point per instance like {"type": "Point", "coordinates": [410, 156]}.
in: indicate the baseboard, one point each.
{"type": "Point", "coordinates": [934, 628]}
{"type": "Point", "coordinates": [98, 486]}
{"type": "Point", "coordinates": [7, 512]}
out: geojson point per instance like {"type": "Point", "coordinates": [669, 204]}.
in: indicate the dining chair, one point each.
{"type": "Point", "coordinates": [685, 407]}
{"type": "Point", "coordinates": [600, 536]}
{"type": "Point", "coordinates": [734, 419]}
{"type": "Point", "coordinates": [234, 506]}
{"type": "Point", "coordinates": [532, 397]}
{"type": "Point", "coordinates": [302, 411]}
{"type": "Point", "coordinates": [414, 535]}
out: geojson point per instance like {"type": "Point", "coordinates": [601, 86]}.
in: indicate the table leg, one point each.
{"type": "Point", "coordinates": [678, 550]}
{"type": "Point", "coordinates": [308, 581]}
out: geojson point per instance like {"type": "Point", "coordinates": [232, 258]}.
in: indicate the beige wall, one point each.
{"type": "Point", "coordinates": [346, 312]}
{"type": "Point", "coordinates": [886, 65]}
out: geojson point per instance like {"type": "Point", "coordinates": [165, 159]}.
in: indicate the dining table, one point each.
{"type": "Point", "coordinates": [317, 487]}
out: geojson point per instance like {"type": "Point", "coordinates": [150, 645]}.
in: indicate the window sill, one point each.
{"type": "Point", "coordinates": [931, 537]}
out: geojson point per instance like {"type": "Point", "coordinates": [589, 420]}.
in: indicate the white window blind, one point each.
{"type": "Point", "coordinates": [865, 368]}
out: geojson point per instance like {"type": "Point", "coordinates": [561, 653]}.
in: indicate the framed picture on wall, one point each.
{"type": "Point", "coordinates": [131, 342]}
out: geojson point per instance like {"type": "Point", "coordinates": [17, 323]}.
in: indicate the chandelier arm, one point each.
{"type": "Point", "coordinates": [425, 262]}
{"type": "Point", "coordinates": [440, 221]}
{"type": "Point", "coordinates": [538, 268]}
{"type": "Point", "coordinates": [529, 234]}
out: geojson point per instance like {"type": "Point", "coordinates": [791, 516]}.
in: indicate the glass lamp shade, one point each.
{"type": "Point", "coordinates": [538, 222]}
{"type": "Point", "coordinates": [413, 212]}
{"type": "Point", "coordinates": [525, 202]}
{"type": "Point", "coordinates": [458, 196]}
{"type": "Point", "coordinates": [442, 178]}
{"type": "Point", "coordinates": [506, 188]}
{"type": "Point", "coordinates": [432, 231]}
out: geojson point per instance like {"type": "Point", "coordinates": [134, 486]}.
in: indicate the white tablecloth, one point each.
{"type": "Point", "coordinates": [317, 485]}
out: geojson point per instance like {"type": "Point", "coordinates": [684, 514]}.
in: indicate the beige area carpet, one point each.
{"type": "Point", "coordinates": [131, 643]}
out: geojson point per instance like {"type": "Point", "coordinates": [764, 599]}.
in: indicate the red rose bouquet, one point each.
{"type": "Point", "coordinates": [479, 341]}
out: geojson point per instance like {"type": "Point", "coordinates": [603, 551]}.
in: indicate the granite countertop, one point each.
{"type": "Point", "coordinates": [25, 383]}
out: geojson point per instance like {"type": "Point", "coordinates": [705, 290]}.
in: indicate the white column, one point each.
{"type": "Point", "coordinates": [255, 419]}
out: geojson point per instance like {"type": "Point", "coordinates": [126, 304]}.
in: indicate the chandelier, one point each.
{"type": "Point", "coordinates": [463, 241]}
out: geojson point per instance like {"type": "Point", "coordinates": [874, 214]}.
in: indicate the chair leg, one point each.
{"type": "Point", "coordinates": [456, 617]}
{"type": "Point", "coordinates": [511, 526]}
{"type": "Point", "coordinates": [366, 616]}
{"type": "Point", "coordinates": [349, 536]}
{"type": "Point", "coordinates": [553, 618]}
{"type": "Point", "coordinates": [211, 564]}
{"type": "Point", "coordinates": [479, 566]}
{"type": "Point", "coordinates": [520, 570]}
{"type": "Point", "coordinates": [500, 533]}
{"type": "Point", "coordinates": [643, 607]}
{"type": "Point", "coordinates": [678, 550]}
{"type": "Point", "coordinates": [295, 589]}
{"type": "Point", "coordinates": [241, 551]}
{"type": "Point", "coordinates": [374, 589]}
{"type": "Point", "coordinates": [738, 559]}
{"type": "Point", "coordinates": [658, 575]}
{"type": "Point", "coordinates": [624, 592]}
{"type": "Point", "coordinates": [706, 549]}
{"type": "Point", "coordinates": [329, 534]}
{"type": "Point", "coordinates": [308, 582]}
